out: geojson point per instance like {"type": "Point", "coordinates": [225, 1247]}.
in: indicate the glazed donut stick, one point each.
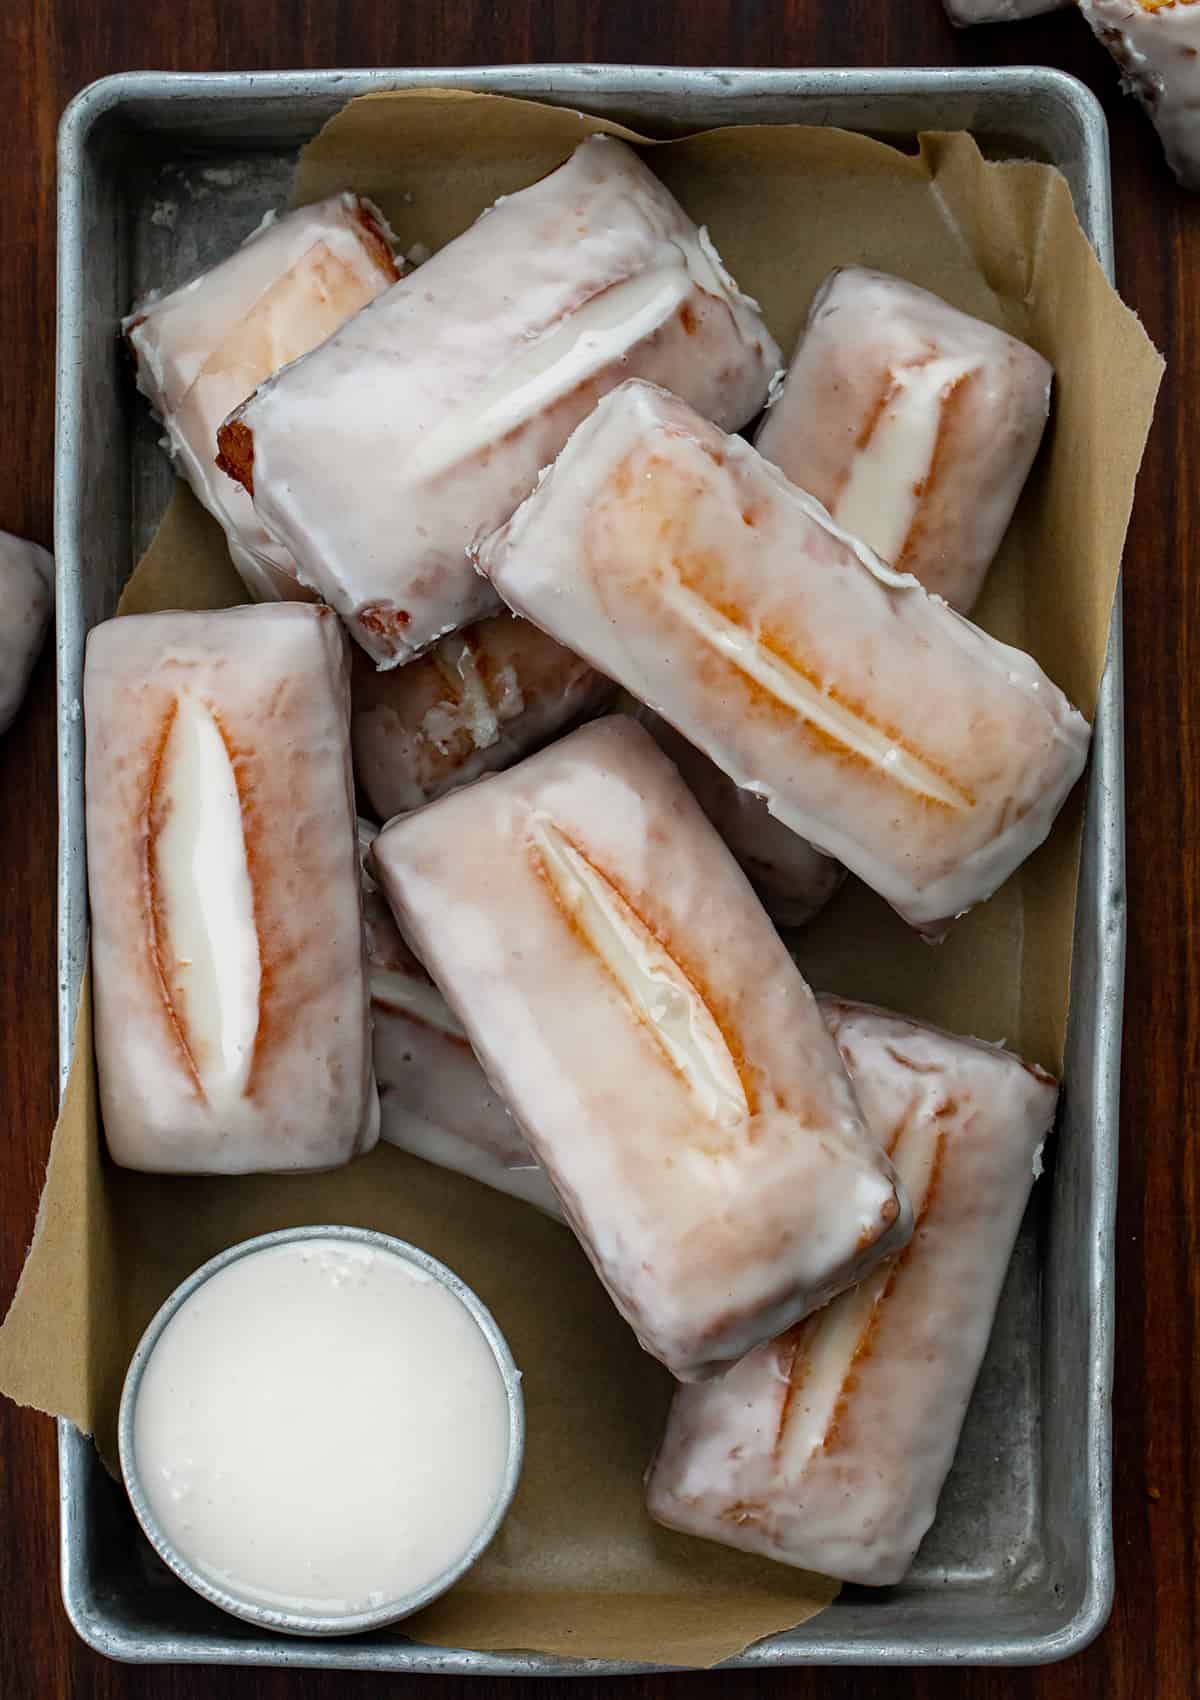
{"type": "Point", "coordinates": [915, 425]}
{"type": "Point", "coordinates": [965, 12]}
{"type": "Point", "coordinates": [828, 1447]}
{"type": "Point", "coordinates": [434, 1099]}
{"type": "Point", "coordinates": [26, 601]}
{"type": "Point", "coordinates": [418, 428]}
{"type": "Point", "coordinates": [886, 730]}
{"type": "Point", "coordinates": [206, 346]}
{"type": "Point", "coordinates": [634, 1007]}
{"type": "Point", "coordinates": [1156, 43]}
{"type": "Point", "coordinates": [793, 880]}
{"type": "Point", "coordinates": [473, 704]}
{"type": "Point", "coordinates": [231, 1000]}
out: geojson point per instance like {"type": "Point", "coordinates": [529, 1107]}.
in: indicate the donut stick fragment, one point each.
{"type": "Point", "coordinates": [434, 1099]}
{"type": "Point", "coordinates": [793, 881]}
{"type": "Point", "coordinates": [418, 427]}
{"type": "Point", "coordinates": [26, 602]}
{"type": "Point", "coordinates": [828, 1447]}
{"type": "Point", "coordinates": [632, 1004]}
{"type": "Point", "coordinates": [1156, 43]}
{"type": "Point", "coordinates": [915, 425]}
{"type": "Point", "coordinates": [476, 702]}
{"type": "Point", "coordinates": [231, 999]}
{"type": "Point", "coordinates": [967, 12]}
{"type": "Point", "coordinates": [206, 346]}
{"type": "Point", "coordinates": [878, 724]}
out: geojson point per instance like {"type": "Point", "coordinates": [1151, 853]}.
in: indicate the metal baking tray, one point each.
{"type": "Point", "coordinates": [1019, 1567]}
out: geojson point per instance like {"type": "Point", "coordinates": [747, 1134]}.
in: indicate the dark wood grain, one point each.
{"type": "Point", "coordinates": [49, 49]}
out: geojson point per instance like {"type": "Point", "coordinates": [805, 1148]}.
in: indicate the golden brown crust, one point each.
{"type": "Point", "coordinates": [235, 443]}
{"type": "Point", "coordinates": [690, 969]}
{"type": "Point", "coordinates": [376, 242]}
{"type": "Point", "coordinates": [153, 820]}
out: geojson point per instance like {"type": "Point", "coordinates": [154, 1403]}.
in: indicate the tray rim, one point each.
{"type": "Point", "coordinates": [1104, 836]}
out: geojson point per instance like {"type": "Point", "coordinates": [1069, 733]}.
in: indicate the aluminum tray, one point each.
{"type": "Point", "coordinates": [1018, 1568]}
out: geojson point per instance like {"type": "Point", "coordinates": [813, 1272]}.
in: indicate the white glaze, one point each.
{"type": "Point", "coordinates": [207, 938]}
{"type": "Point", "coordinates": [434, 1099]}
{"type": "Point", "coordinates": [1158, 50]}
{"type": "Point", "coordinates": [205, 347]}
{"type": "Point", "coordinates": [966, 12]}
{"type": "Point", "coordinates": [321, 1428]}
{"type": "Point", "coordinates": [475, 703]}
{"type": "Point", "coordinates": [707, 1227]}
{"type": "Point", "coordinates": [416, 999]}
{"type": "Point", "coordinates": [807, 701]}
{"type": "Point", "coordinates": [230, 988]}
{"type": "Point", "coordinates": [828, 1447]}
{"type": "Point", "coordinates": [913, 424]}
{"type": "Point", "coordinates": [877, 724]}
{"type": "Point", "coordinates": [26, 601]}
{"type": "Point", "coordinates": [556, 363]}
{"type": "Point", "coordinates": [793, 879]}
{"type": "Point", "coordinates": [422, 424]}
{"type": "Point", "coordinates": [881, 497]}
{"type": "Point", "coordinates": [656, 988]}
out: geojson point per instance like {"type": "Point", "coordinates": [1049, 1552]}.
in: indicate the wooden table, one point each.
{"type": "Point", "coordinates": [49, 49]}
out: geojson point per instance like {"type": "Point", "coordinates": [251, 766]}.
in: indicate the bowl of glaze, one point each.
{"type": "Point", "coordinates": [321, 1430]}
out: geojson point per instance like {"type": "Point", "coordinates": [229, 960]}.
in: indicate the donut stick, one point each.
{"type": "Point", "coordinates": [231, 1002]}
{"type": "Point", "coordinates": [966, 12]}
{"type": "Point", "coordinates": [1156, 43]}
{"type": "Point", "coordinates": [205, 347]}
{"type": "Point", "coordinates": [434, 1099]}
{"type": "Point", "coordinates": [882, 727]}
{"type": "Point", "coordinates": [634, 1007]}
{"type": "Point", "coordinates": [473, 704]}
{"type": "Point", "coordinates": [26, 600]}
{"type": "Point", "coordinates": [793, 880]}
{"type": "Point", "coordinates": [828, 1447]}
{"type": "Point", "coordinates": [418, 428]}
{"type": "Point", "coordinates": [915, 425]}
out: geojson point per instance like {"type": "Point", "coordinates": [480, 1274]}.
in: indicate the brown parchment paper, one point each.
{"type": "Point", "coordinates": [578, 1569]}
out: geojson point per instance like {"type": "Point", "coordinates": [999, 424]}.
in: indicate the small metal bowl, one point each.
{"type": "Point", "coordinates": [297, 1623]}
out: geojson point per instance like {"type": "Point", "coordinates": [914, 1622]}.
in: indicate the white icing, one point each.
{"type": "Point", "coordinates": [829, 1351]}
{"type": "Point", "coordinates": [434, 1099]}
{"type": "Point", "coordinates": [793, 879]}
{"type": "Point", "coordinates": [405, 994]}
{"type": "Point", "coordinates": [321, 1428]}
{"type": "Point", "coordinates": [880, 499]}
{"type": "Point", "coordinates": [208, 941]}
{"type": "Point", "coordinates": [820, 1380]}
{"type": "Point", "coordinates": [710, 272]}
{"type": "Point", "coordinates": [862, 552]}
{"type": "Point", "coordinates": [654, 985]}
{"type": "Point", "coordinates": [967, 12]}
{"type": "Point", "coordinates": [570, 353]}
{"type": "Point", "coordinates": [474, 709]}
{"type": "Point", "coordinates": [790, 687]}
